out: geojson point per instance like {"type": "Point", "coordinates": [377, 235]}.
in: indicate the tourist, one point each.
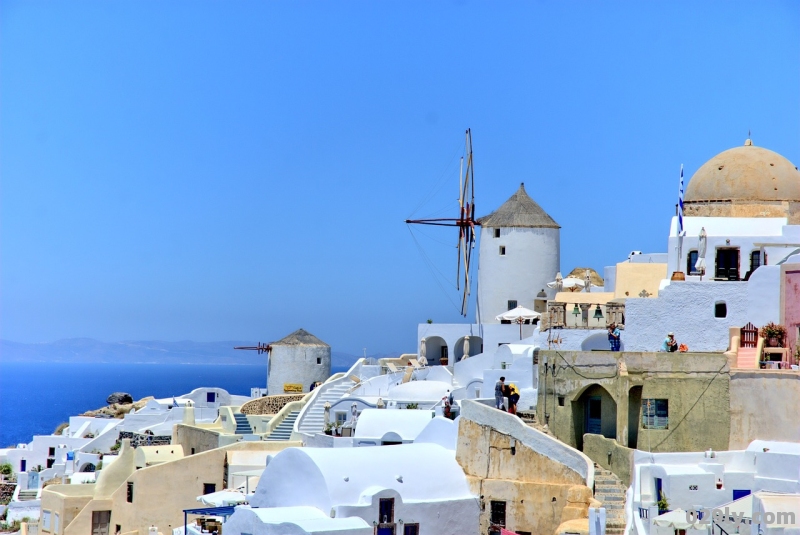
{"type": "Point", "coordinates": [670, 345]}
{"type": "Point", "coordinates": [498, 393]}
{"type": "Point", "coordinates": [614, 337]}
{"type": "Point", "coordinates": [513, 398]}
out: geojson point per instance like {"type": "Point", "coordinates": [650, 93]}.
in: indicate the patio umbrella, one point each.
{"type": "Point", "coordinates": [573, 282]}
{"type": "Point", "coordinates": [702, 245]}
{"type": "Point", "coordinates": [327, 413]}
{"type": "Point", "coordinates": [519, 315]}
{"type": "Point", "coordinates": [222, 498]}
{"type": "Point", "coordinates": [558, 283]}
{"type": "Point", "coordinates": [466, 348]}
{"type": "Point", "coordinates": [587, 281]}
{"type": "Point", "coordinates": [422, 348]}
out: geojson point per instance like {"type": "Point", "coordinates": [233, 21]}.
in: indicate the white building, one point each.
{"type": "Point", "coordinates": [412, 489]}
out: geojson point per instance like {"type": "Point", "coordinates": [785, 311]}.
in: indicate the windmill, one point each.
{"type": "Point", "coordinates": [465, 222]}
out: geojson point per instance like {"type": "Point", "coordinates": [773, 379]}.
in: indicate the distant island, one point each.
{"type": "Point", "coordinates": [146, 352]}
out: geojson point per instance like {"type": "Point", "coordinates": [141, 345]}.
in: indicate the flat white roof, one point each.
{"type": "Point", "coordinates": [408, 424]}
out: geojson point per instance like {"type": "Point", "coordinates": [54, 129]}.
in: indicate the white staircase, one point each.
{"type": "Point", "coordinates": [284, 429]}
{"type": "Point", "coordinates": [312, 419]}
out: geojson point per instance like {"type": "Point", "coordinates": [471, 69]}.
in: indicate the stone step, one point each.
{"type": "Point", "coordinates": [609, 497]}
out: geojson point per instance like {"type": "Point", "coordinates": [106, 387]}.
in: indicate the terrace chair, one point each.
{"type": "Point", "coordinates": [408, 374]}
{"type": "Point", "coordinates": [392, 367]}
{"type": "Point", "coordinates": [415, 364]}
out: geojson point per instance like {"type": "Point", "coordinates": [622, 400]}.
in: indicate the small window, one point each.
{"type": "Point", "coordinates": [655, 414]}
{"type": "Point", "coordinates": [560, 401]}
{"type": "Point", "coordinates": [208, 488]}
{"type": "Point", "coordinates": [502, 250]}
{"type": "Point", "coordinates": [497, 233]}
{"type": "Point", "coordinates": [211, 397]}
{"type": "Point", "coordinates": [720, 309]}
{"type": "Point", "coordinates": [192, 452]}
{"type": "Point", "coordinates": [341, 417]}
{"type": "Point", "coordinates": [56, 522]}
{"type": "Point", "coordinates": [118, 529]}
{"type": "Point", "coordinates": [319, 360]}
{"type": "Point", "coordinates": [691, 263]}
{"type": "Point", "coordinates": [130, 492]}
{"type": "Point", "coordinates": [46, 520]}
{"type": "Point", "coordinates": [386, 511]}
{"type": "Point", "coordinates": [411, 529]}
{"type": "Point", "coordinates": [512, 304]}
{"type": "Point", "coordinates": [755, 260]}
{"type": "Point", "coordinates": [498, 514]}
{"type": "Point", "coordinates": [51, 452]}
{"type": "Point", "coordinates": [50, 463]}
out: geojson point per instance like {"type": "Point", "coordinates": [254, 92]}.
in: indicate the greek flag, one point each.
{"type": "Point", "coordinates": [680, 205]}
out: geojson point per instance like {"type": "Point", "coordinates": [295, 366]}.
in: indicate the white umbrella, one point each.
{"type": "Point", "coordinates": [702, 245]}
{"type": "Point", "coordinates": [558, 283]}
{"type": "Point", "coordinates": [422, 348]}
{"type": "Point", "coordinates": [572, 282]}
{"type": "Point", "coordinates": [587, 281]}
{"type": "Point", "coordinates": [327, 413]}
{"type": "Point", "coordinates": [519, 315]}
{"type": "Point", "coordinates": [466, 347]}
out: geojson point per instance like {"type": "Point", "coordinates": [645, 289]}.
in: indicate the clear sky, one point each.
{"type": "Point", "coordinates": [236, 170]}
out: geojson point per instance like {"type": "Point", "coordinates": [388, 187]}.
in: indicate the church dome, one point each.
{"type": "Point", "coordinates": [745, 174]}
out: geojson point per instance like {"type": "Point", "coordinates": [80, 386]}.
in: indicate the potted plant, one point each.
{"type": "Point", "coordinates": [774, 334]}
{"type": "Point", "coordinates": [329, 429]}
{"type": "Point", "coordinates": [663, 504]}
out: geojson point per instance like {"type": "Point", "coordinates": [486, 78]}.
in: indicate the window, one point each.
{"type": "Point", "coordinates": [50, 463]}
{"type": "Point", "coordinates": [130, 492]}
{"type": "Point", "coordinates": [727, 264]}
{"type": "Point", "coordinates": [560, 401]}
{"type": "Point", "coordinates": [56, 522]}
{"type": "Point", "coordinates": [502, 250]}
{"type": "Point", "coordinates": [46, 520]}
{"type": "Point", "coordinates": [497, 233]}
{"type": "Point", "coordinates": [655, 414]}
{"type": "Point", "coordinates": [23, 464]}
{"type": "Point", "coordinates": [51, 452]}
{"type": "Point", "coordinates": [118, 529]}
{"type": "Point", "coordinates": [208, 488]}
{"type": "Point", "coordinates": [100, 522]}
{"type": "Point", "coordinates": [755, 260]}
{"type": "Point", "coordinates": [512, 304]}
{"type": "Point", "coordinates": [319, 360]}
{"type": "Point", "coordinates": [211, 397]}
{"type": "Point", "coordinates": [341, 417]}
{"type": "Point", "coordinates": [386, 511]}
{"type": "Point", "coordinates": [498, 514]}
{"type": "Point", "coordinates": [411, 529]}
{"type": "Point", "coordinates": [192, 452]}
{"type": "Point", "coordinates": [720, 309]}
{"type": "Point", "coordinates": [691, 262]}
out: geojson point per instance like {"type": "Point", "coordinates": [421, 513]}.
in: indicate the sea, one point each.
{"type": "Point", "coordinates": [36, 397]}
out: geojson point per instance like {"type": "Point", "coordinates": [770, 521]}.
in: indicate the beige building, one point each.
{"type": "Point", "coordinates": [128, 499]}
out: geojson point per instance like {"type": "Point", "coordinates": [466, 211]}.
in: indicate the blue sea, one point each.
{"type": "Point", "coordinates": [35, 397]}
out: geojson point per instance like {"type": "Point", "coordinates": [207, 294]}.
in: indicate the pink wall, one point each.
{"type": "Point", "coordinates": [791, 306]}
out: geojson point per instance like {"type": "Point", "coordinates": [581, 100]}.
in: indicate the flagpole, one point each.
{"type": "Point", "coordinates": [680, 229]}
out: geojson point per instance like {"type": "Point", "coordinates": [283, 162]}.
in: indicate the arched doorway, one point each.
{"type": "Point", "coordinates": [594, 411]}
{"type": "Point", "coordinates": [475, 347]}
{"type": "Point", "coordinates": [634, 415]}
{"type": "Point", "coordinates": [435, 350]}
{"type": "Point", "coordinates": [88, 467]}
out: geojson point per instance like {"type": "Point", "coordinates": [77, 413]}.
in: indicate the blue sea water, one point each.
{"type": "Point", "coordinates": [35, 397]}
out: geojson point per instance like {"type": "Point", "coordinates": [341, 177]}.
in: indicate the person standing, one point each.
{"type": "Point", "coordinates": [513, 398]}
{"type": "Point", "coordinates": [498, 393]}
{"type": "Point", "coordinates": [615, 337]}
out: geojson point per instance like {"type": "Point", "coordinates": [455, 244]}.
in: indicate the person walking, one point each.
{"type": "Point", "coordinates": [513, 398]}
{"type": "Point", "coordinates": [499, 387]}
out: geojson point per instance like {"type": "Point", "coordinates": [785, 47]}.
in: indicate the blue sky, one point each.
{"type": "Point", "coordinates": [236, 170]}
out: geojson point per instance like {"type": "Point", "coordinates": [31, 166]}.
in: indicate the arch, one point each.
{"type": "Point", "coordinates": [88, 467]}
{"type": "Point", "coordinates": [594, 410]}
{"type": "Point", "coordinates": [475, 347]}
{"type": "Point", "coordinates": [435, 349]}
{"type": "Point", "coordinates": [599, 342]}
{"type": "Point", "coordinates": [391, 439]}
{"type": "Point", "coordinates": [634, 414]}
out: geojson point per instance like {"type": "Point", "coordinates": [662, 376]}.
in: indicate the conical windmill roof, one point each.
{"type": "Point", "coordinates": [300, 337]}
{"type": "Point", "coordinates": [519, 211]}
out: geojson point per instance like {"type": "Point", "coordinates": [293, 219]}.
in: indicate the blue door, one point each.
{"type": "Point", "coordinates": [593, 416]}
{"type": "Point", "coordinates": [740, 493]}
{"type": "Point", "coordinates": [386, 530]}
{"type": "Point", "coordinates": [23, 464]}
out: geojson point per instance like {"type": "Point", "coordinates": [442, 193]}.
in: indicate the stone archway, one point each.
{"type": "Point", "coordinates": [594, 411]}
{"type": "Point", "coordinates": [88, 467]}
{"type": "Point", "coordinates": [634, 414]}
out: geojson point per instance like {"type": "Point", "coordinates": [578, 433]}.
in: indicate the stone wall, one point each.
{"type": "Point", "coordinates": [695, 385]}
{"type": "Point", "coordinates": [760, 403]}
{"type": "Point", "coordinates": [609, 455]}
{"type": "Point", "coordinates": [543, 483]}
{"type": "Point", "coordinates": [269, 404]}
{"type": "Point", "coordinates": [6, 492]}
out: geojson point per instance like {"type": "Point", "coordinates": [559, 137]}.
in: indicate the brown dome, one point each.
{"type": "Point", "coordinates": [743, 174]}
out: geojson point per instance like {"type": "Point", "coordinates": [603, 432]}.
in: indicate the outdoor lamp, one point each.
{"type": "Point", "coordinates": [598, 314]}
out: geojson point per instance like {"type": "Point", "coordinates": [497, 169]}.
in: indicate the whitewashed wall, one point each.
{"type": "Point", "coordinates": [297, 364]}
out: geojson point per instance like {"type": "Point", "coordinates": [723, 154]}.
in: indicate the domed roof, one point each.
{"type": "Point", "coordinates": [747, 173]}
